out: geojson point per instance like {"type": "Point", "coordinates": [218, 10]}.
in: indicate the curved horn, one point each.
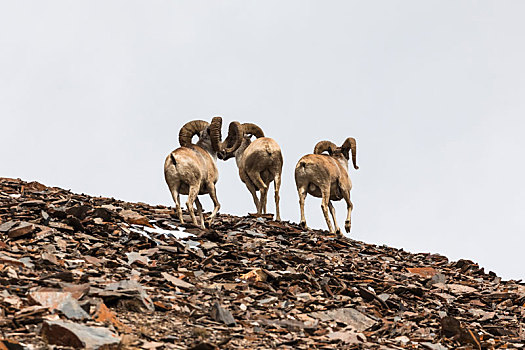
{"type": "Point", "coordinates": [234, 139]}
{"type": "Point", "coordinates": [250, 128]}
{"type": "Point", "coordinates": [189, 129]}
{"type": "Point", "coordinates": [215, 133]}
{"type": "Point", "coordinates": [350, 144]}
{"type": "Point", "coordinates": [322, 146]}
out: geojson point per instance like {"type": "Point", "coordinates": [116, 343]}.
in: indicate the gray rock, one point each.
{"type": "Point", "coordinates": [428, 345]}
{"type": "Point", "coordinates": [72, 309]}
{"type": "Point", "coordinates": [134, 292]}
{"type": "Point", "coordinates": [220, 314]}
{"type": "Point", "coordinates": [350, 316]}
{"type": "Point", "coordinates": [79, 336]}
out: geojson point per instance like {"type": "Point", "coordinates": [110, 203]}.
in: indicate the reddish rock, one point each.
{"type": "Point", "coordinates": [426, 272]}
{"type": "Point", "coordinates": [22, 230]}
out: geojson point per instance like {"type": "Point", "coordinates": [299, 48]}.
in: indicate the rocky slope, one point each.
{"type": "Point", "coordinates": [81, 271]}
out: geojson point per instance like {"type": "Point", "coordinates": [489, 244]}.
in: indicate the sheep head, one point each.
{"type": "Point", "coordinates": [348, 145]}
{"type": "Point", "coordinates": [338, 152]}
{"type": "Point", "coordinates": [232, 141]}
{"type": "Point", "coordinates": [210, 135]}
{"type": "Point", "coordinates": [247, 131]}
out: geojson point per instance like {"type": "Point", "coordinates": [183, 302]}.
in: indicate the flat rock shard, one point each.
{"type": "Point", "coordinates": [220, 314]}
{"type": "Point", "coordinates": [350, 316]}
{"type": "Point", "coordinates": [78, 271]}
{"type": "Point", "coordinates": [79, 336]}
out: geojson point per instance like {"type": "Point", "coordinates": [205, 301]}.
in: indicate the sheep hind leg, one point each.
{"type": "Point", "coordinates": [264, 197]}
{"type": "Point", "coordinates": [302, 196]}
{"type": "Point", "coordinates": [199, 211]}
{"type": "Point", "coordinates": [349, 206]}
{"type": "Point", "coordinates": [277, 186]}
{"type": "Point", "coordinates": [332, 211]}
{"type": "Point", "coordinates": [324, 206]}
{"type": "Point", "coordinates": [216, 205]}
{"type": "Point", "coordinates": [253, 191]}
{"type": "Point", "coordinates": [263, 189]}
{"type": "Point", "coordinates": [176, 199]}
{"type": "Point", "coordinates": [192, 195]}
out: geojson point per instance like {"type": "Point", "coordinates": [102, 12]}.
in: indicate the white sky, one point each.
{"type": "Point", "coordinates": [93, 93]}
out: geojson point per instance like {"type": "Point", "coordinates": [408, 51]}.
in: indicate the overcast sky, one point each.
{"type": "Point", "coordinates": [93, 94]}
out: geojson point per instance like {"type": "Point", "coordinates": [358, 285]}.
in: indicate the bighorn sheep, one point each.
{"type": "Point", "coordinates": [191, 169]}
{"type": "Point", "coordinates": [260, 162]}
{"type": "Point", "coordinates": [326, 176]}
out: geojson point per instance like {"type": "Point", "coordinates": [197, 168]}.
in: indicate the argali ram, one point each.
{"type": "Point", "coordinates": [191, 169]}
{"type": "Point", "coordinates": [260, 162]}
{"type": "Point", "coordinates": [326, 176]}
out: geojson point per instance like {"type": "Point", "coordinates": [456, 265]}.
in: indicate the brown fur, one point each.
{"type": "Point", "coordinates": [324, 176]}
{"type": "Point", "coordinates": [259, 164]}
{"type": "Point", "coordinates": [192, 171]}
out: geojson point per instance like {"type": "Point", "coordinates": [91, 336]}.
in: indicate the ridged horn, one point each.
{"type": "Point", "coordinates": [250, 128]}
{"type": "Point", "coordinates": [215, 133]}
{"type": "Point", "coordinates": [348, 145]}
{"type": "Point", "coordinates": [322, 146]}
{"type": "Point", "coordinates": [189, 129]}
{"type": "Point", "coordinates": [234, 139]}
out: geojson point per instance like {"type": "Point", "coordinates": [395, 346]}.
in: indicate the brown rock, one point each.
{"type": "Point", "coordinates": [426, 272]}
{"type": "Point", "coordinates": [10, 345]}
{"type": "Point", "coordinates": [132, 217]}
{"type": "Point", "coordinates": [350, 316]}
{"type": "Point", "coordinates": [22, 230]}
{"type": "Point", "coordinates": [177, 282]}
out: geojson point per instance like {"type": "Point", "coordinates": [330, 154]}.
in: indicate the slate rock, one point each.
{"type": "Point", "coordinates": [79, 336]}
{"type": "Point", "coordinates": [132, 295]}
{"type": "Point", "coordinates": [22, 230]}
{"type": "Point", "coordinates": [6, 344]}
{"type": "Point", "coordinates": [220, 314]}
{"type": "Point", "coordinates": [177, 282]}
{"type": "Point", "coordinates": [350, 316]}
{"type": "Point", "coordinates": [72, 309]}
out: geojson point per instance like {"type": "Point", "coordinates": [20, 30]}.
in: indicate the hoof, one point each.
{"type": "Point", "coordinates": [338, 232]}
{"type": "Point", "coordinates": [347, 226]}
{"type": "Point", "coordinates": [303, 225]}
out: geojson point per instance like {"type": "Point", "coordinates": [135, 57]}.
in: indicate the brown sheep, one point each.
{"type": "Point", "coordinates": [260, 162]}
{"type": "Point", "coordinates": [326, 176]}
{"type": "Point", "coordinates": [191, 169]}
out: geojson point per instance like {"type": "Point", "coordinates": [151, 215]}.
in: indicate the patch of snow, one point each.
{"type": "Point", "coordinates": [192, 244]}
{"type": "Point", "coordinates": [146, 231]}
{"type": "Point", "coordinates": [177, 233]}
